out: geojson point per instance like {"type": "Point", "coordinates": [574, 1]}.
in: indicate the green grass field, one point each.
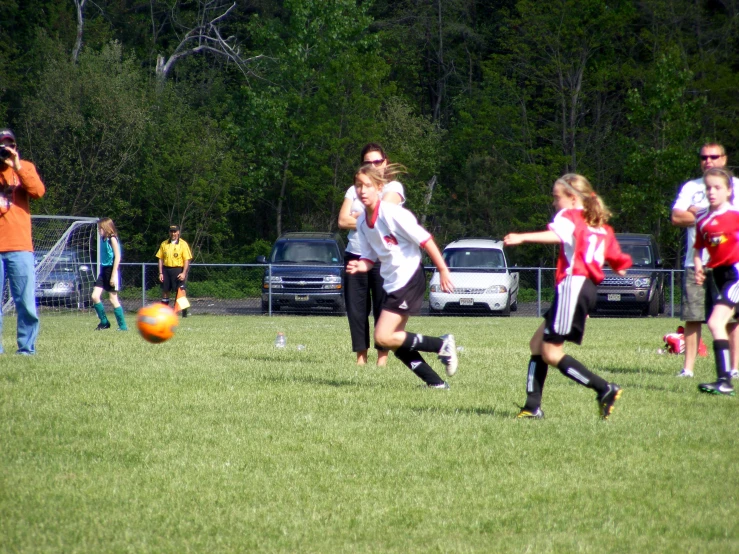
{"type": "Point", "coordinates": [218, 442]}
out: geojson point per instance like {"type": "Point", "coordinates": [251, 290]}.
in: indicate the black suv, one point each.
{"type": "Point", "coordinates": [642, 289]}
{"type": "Point", "coordinates": [305, 273]}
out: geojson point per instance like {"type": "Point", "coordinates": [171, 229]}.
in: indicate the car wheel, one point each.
{"type": "Point", "coordinates": [514, 306]}
{"type": "Point", "coordinates": [653, 308]}
{"type": "Point", "coordinates": [265, 308]}
{"type": "Point", "coordinates": [662, 302]}
{"type": "Point", "coordinates": [507, 310]}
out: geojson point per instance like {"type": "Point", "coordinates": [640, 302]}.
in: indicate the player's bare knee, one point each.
{"type": "Point", "coordinates": [716, 325]}
{"type": "Point", "coordinates": [383, 341]}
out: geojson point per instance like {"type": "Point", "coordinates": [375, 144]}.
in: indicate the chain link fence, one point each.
{"type": "Point", "coordinates": [250, 289]}
{"type": "Point", "coordinates": [241, 289]}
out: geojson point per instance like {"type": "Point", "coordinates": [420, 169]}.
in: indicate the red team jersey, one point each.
{"type": "Point", "coordinates": [718, 232]}
{"type": "Point", "coordinates": [585, 249]}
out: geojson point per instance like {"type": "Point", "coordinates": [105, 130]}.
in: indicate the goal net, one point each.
{"type": "Point", "coordinates": [66, 258]}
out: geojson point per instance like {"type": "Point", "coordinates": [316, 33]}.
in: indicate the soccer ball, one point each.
{"type": "Point", "coordinates": [156, 322]}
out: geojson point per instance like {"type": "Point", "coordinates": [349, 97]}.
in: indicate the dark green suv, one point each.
{"type": "Point", "coordinates": [642, 289]}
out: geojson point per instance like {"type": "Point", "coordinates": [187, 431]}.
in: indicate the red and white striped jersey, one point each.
{"type": "Point", "coordinates": [585, 249]}
{"type": "Point", "coordinates": [718, 233]}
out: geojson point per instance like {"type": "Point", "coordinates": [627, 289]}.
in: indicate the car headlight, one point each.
{"type": "Point", "coordinates": [435, 288]}
{"type": "Point", "coordinates": [496, 289]}
{"type": "Point", "coordinates": [63, 286]}
{"type": "Point", "coordinates": [331, 282]}
{"type": "Point", "coordinates": [642, 282]}
{"type": "Point", "coordinates": [275, 282]}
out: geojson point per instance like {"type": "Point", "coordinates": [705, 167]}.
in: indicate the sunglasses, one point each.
{"type": "Point", "coordinates": [711, 157]}
{"type": "Point", "coordinates": [375, 162]}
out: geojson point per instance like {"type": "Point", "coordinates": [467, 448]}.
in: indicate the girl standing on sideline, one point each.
{"type": "Point", "coordinates": [390, 234]}
{"type": "Point", "coordinates": [718, 232]}
{"type": "Point", "coordinates": [363, 291]}
{"type": "Point", "coordinates": [109, 278]}
{"type": "Point", "coordinates": [586, 243]}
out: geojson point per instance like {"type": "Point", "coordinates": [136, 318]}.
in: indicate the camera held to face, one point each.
{"type": "Point", "coordinates": [5, 153]}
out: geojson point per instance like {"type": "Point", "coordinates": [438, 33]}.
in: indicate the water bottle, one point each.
{"type": "Point", "coordinates": [281, 340]}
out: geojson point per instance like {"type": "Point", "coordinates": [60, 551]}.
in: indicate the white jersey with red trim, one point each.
{"type": "Point", "coordinates": [393, 237]}
{"type": "Point", "coordinates": [718, 233]}
{"type": "Point", "coordinates": [585, 249]}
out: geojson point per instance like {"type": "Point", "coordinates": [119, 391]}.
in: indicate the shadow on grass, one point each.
{"type": "Point", "coordinates": [653, 387]}
{"type": "Point", "coordinates": [632, 370]}
{"type": "Point", "coordinates": [313, 381]}
{"type": "Point", "coordinates": [275, 359]}
{"type": "Point", "coordinates": [493, 412]}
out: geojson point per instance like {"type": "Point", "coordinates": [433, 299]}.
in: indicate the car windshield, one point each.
{"type": "Point", "coordinates": [305, 252]}
{"type": "Point", "coordinates": [641, 255]}
{"type": "Point", "coordinates": [59, 259]}
{"type": "Point", "coordinates": [474, 257]}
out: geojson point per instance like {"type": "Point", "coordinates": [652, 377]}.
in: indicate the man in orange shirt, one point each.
{"type": "Point", "coordinates": [19, 182]}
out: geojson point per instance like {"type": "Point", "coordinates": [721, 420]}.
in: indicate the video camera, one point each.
{"type": "Point", "coordinates": [5, 153]}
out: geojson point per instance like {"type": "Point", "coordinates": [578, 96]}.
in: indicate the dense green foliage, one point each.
{"type": "Point", "coordinates": [217, 442]}
{"type": "Point", "coordinates": [255, 127]}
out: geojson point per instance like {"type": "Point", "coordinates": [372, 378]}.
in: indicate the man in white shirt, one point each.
{"type": "Point", "coordinates": [690, 201]}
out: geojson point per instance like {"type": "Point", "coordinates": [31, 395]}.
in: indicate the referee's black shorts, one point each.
{"type": "Point", "coordinates": [170, 282]}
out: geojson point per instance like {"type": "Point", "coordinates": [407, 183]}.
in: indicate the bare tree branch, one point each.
{"type": "Point", "coordinates": [206, 37]}
{"type": "Point", "coordinates": [80, 5]}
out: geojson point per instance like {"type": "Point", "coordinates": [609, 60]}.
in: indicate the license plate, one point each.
{"type": "Point", "coordinates": [614, 297]}
{"type": "Point", "coordinates": [301, 297]}
{"type": "Point", "coordinates": [466, 301]}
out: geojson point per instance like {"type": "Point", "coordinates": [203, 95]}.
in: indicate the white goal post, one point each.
{"type": "Point", "coordinates": [66, 258]}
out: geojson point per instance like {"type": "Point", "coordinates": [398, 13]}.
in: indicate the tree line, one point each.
{"type": "Point", "coordinates": [242, 119]}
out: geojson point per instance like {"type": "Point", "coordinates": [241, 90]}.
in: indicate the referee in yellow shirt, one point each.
{"type": "Point", "coordinates": [174, 261]}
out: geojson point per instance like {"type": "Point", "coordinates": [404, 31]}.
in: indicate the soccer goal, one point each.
{"type": "Point", "coordinates": [66, 258]}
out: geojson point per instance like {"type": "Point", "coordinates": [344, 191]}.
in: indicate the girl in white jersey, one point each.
{"type": "Point", "coordinates": [363, 292]}
{"type": "Point", "coordinates": [391, 234]}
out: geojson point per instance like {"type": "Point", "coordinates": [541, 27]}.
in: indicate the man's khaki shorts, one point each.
{"type": "Point", "coordinates": [693, 307]}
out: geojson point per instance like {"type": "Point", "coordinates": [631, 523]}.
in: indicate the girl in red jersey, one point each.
{"type": "Point", "coordinates": [718, 232]}
{"type": "Point", "coordinates": [586, 243]}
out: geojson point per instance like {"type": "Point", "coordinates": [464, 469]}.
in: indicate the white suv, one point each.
{"type": "Point", "coordinates": [481, 279]}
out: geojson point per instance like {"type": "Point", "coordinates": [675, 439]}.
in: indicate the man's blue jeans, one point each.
{"type": "Point", "coordinates": [18, 266]}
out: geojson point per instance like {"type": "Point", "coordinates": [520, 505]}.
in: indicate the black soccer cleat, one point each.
{"type": "Point", "coordinates": [527, 413]}
{"type": "Point", "coordinates": [102, 326]}
{"type": "Point", "coordinates": [608, 399]}
{"type": "Point", "coordinates": [719, 387]}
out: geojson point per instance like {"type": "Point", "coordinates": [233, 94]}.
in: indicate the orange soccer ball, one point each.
{"type": "Point", "coordinates": [156, 322]}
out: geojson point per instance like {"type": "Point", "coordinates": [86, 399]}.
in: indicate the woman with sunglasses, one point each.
{"type": "Point", "coordinates": [363, 291]}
